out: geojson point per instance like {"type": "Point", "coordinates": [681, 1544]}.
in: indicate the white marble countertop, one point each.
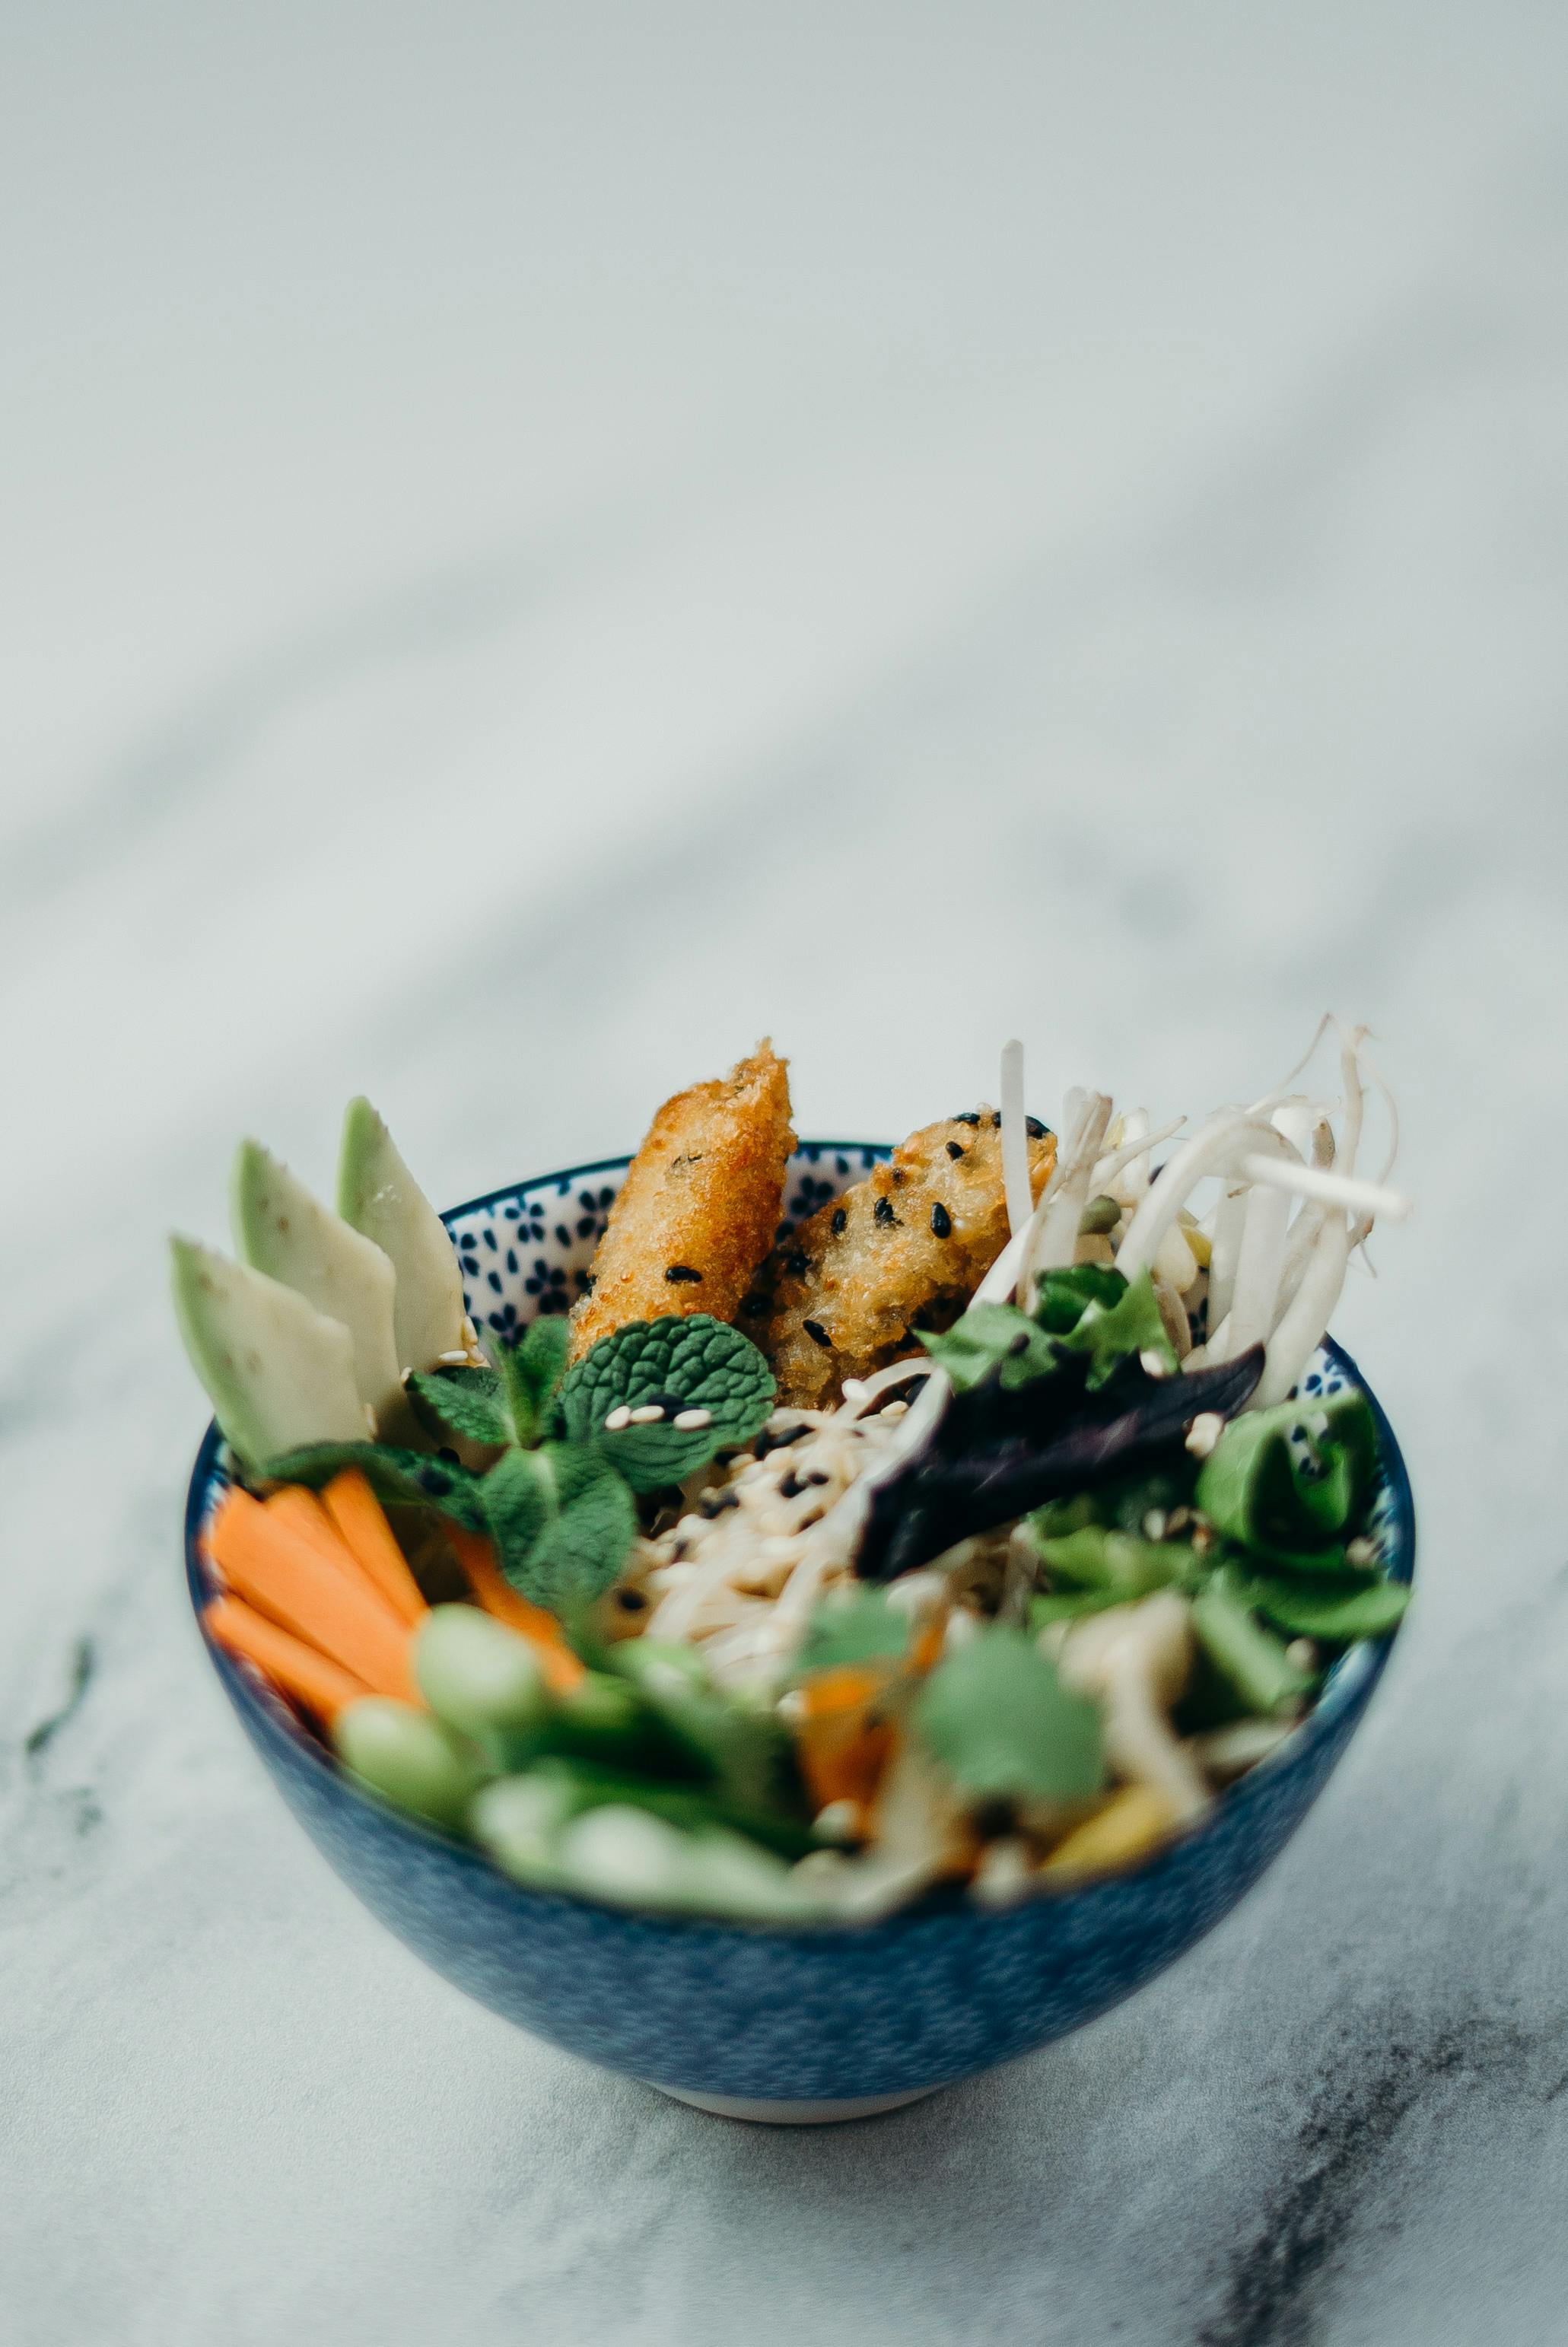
{"type": "Point", "coordinates": [540, 546]}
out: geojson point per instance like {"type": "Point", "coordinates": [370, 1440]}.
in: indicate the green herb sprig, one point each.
{"type": "Point", "coordinates": [559, 1501]}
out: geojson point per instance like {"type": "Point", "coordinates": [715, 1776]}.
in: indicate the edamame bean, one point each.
{"type": "Point", "coordinates": [410, 1759]}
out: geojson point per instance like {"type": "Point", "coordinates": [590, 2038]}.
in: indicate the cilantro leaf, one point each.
{"type": "Point", "coordinates": [859, 1627]}
{"type": "Point", "coordinates": [1286, 1483]}
{"type": "Point", "coordinates": [562, 1519]}
{"type": "Point", "coordinates": [1109, 1331]}
{"type": "Point", "coordinates": [695, 1363]}
{"type": "Point", "coordinates": [997, 1717]}
{"type": "Point", "coordinates": [992, 1340]}
{"type": "Point", "coordinates": [408, 1479]}
{"type": "Point", "coordinates": [467, 1400]}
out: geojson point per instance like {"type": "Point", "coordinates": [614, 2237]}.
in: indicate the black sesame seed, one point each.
{"type": "Point", "coordinates": [967, 1116]}
{"type": "Point", "coordinates": [954, 1149]}
{"type": "Point", "coordinates": [840, 1218]}
{"type": "Point", "coordinates": [816, 1476]}
{"type": "Point", "coordinates": [631, 1600]}
{"type": "Point", "coordinates": [449, 1455]}
{"type": "Point", "coordinates": [678, 1271]}
{"type": "Point", "coordinates": [1035, 1130]}
{"type": "Point", "coordinates": [942, 1222]}
{"type": "Point", "coordinates": [996, 1116]}
{"type": "Point", "coordinates": [797, 1264]}
{"type": "Point", "coordinates": [790, 1486]}
{"type": "Point", "coordinates": [767, 1440]}
{"type": "Point", "coordinates": [885, 1213]}
{"type": "Point", "coordinates": [819, 1334]}
{"type": "Point", "coordinates": [714, 1503]}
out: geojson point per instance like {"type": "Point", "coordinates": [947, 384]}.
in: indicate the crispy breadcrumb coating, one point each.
{"type": "Point", "coordinates": [851, 1289]}
{"type": "Point", "coordinates": [700, 1206]}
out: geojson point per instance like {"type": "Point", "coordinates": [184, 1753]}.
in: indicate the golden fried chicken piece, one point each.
{"type": "Point", "coordinates": [699, 1205]}
{"type": "Point", "coordinates": [851, 1289]}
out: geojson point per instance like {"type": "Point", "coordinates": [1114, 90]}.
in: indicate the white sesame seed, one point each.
{"type": "Point", "coordinates": [1205, 1432]}
{"type": "Point", "coordinates": [1155, 1524]}
{"type": "Point", "coordinates": [1154, 1364]}
{"type": "Point", "coordinates": [791, 1706]}
{"type": "Point", "coordinates": [839, 1821]}
{"type": "Point", "coordinates": [619, 1416]}
{"type": "Point", "coordinates": [1361, 1551]}
{"type": "Point", "coordinates": [471, 1333]}
{"type": "Point", "coordinates": [451, 1360]}
{"type": "Point", "coordinates": [1002, 1873]}
{"type": "Point", "coordinates": [1302, 1654]}
{"type": "Point", "coordinates": [690, 1421]}
{"type": "Point", "coordinates": [853, 1389]}
{"type": "Point", "coordinates": [652, 1413]}
{"type": "Point", "coordinates": [370, 1420]}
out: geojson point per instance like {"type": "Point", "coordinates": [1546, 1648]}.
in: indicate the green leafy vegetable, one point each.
{"type": "Point", "coordinates": [530, 1371]}
{"type": "Point", "coordinates": [1110, 1331]}
{"type": "Point", "coordinates": [1069, 1605]}
{"type": "Point", "coordinates": [992, 1339]}
{"type": "Point", "coordinates": [1336, 1610]}
{"type": "Point", "coordinates": [408, 1479]}
{"type": "Point", "coordinates": [1248, 1657]}
{"type": "Point", "coordinates": [1097, 1559]}
{"type": "Point", "coordinates": [1066, 1293]}
{"type": "Point", "coordinates": [469, 1402]}
{"type": "Point", "coordinates": [1286, 1483]}
{"type": "Point", "coordinates": [692, 1364]}
{"type": "Point", "coordinates": [859, 1627]}
{"type": "Point", "coordinates": [743, 1747]}
{"type": "Point", "coordinates": [997, 1717]}
{"type": "Point", "coordinates": [562, 1519]}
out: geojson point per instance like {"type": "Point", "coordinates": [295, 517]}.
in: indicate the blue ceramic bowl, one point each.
{"type": "Point", "coordinates": [808, 2023]}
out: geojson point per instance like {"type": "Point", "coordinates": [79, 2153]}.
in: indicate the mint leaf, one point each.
{"type": "Point", "coordinates": [997, 1717]}
{"type": "Point", "coordinates": [1065, 1294]}
{"type": "Point", "coordinates": [1286, 1483]}
{"type": "Point", "coordinates": [562, 1521]}
{"type": "Point", "coordinates": [992, 1340]}
{"type": "Point", "coordinates": [1337, 1612]}
{"type": "Point", "coordinates": [531, 1370]}
{"type": "Point", "coordinates": [1110, 1331]}
{"type": "Point", "coordinates": [406, 1479]}
{"type": "Point", "coordinates": [696, 1363]}
{"type": "Point", "coordinates": [467, 1400]}
{"type": "Point", "coordinates": [858, 1628]}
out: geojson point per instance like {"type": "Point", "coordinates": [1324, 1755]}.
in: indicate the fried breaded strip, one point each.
{"type": "Point", "coordinates": [700, 1206]}
{"type": "Point", "coordinates": [903, 1250]}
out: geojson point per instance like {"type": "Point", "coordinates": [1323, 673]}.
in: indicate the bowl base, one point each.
{"type": "Point", "coordinates": [767, 2113]}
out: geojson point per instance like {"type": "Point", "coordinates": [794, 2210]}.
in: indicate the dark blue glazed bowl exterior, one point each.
{"type": "Point", "coordinates": [812, 2013]}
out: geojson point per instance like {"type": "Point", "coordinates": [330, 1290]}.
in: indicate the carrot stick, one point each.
{"type": "Point", "coordinates": [305, 1580]}
{"type": "Point", "coordinates": [495, 1592]}
{"type": "Point", "coordinates": [357, 1518]}
{"type": "Point", "coordinates": [319, 1684]}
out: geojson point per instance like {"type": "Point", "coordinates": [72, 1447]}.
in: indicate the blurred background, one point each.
{"type": "Point", "coordinates": [538, 544]}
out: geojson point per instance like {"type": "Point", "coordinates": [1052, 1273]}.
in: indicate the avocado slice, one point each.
{"type": "Point", "coordinates": [380, 1197]}
{"type": "Point", "coordinates": [282, 1230]}
{"type": "Point", "coordinates": [278, 1372]}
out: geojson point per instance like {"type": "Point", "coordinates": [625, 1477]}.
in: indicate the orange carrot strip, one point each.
{"type": "Point", "coordinates": [308, 1583]}
{"type": "Point", "coordinates": [495, 1592]}
{"type": "Point", "coordinates": [322, 1688]}
{"type": "Point", "coordinates": [843, 1741]}
{"type": "Point", "coordinates": [357, 1517]}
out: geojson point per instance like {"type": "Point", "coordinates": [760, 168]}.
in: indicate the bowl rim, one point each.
{"type": "Point", "coordinates": [1348, 1685]}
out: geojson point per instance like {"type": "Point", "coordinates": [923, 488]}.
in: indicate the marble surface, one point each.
{"type": "Point", "coordinates": [543, 544]}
